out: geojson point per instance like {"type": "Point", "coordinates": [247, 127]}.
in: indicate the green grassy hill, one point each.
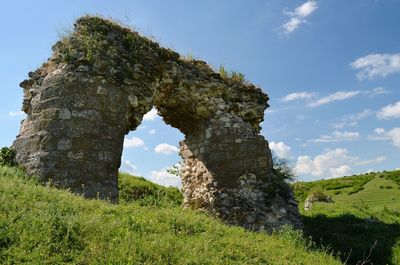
{"type": "Point", "coordinates": [364, 216]}
{"type": "Point", "coordinates": [44, 225]}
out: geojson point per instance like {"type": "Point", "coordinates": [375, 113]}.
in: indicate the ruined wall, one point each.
{"type": "Point", "coordinates": [97, 86]}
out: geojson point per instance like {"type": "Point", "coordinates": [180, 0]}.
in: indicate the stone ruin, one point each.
{"type": "Point", "coordinates": [100, 81]}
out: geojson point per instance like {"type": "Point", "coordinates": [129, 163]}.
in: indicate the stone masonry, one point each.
{"type": "Point", "coordinates": [96, 87]}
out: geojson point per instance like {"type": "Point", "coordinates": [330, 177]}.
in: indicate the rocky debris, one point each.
{"type": "Point", "coordinates": [96, 87]}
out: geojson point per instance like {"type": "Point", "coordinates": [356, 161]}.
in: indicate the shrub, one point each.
{"type": "Point", "coordinates": [318, 195]}
{"type": "Point", "coordinates": [7, 157]}
{"type": "Point", "coordinates": [282, 170]}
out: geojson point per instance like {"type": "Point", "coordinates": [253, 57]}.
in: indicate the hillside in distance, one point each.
{"type": "Point", "coordinates": [362, 223]}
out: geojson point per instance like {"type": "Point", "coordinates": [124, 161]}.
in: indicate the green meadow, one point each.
{"type": "Point", "coordinates": [44, 225]}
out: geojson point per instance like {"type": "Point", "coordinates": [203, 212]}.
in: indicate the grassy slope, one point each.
{"type": "Point", "coordinates": [43, 225]}
{"type": "Point", "coordinates": [355, 221]}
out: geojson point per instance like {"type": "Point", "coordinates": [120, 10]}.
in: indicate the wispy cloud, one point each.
{"type": "Point", "coordinates": [166, 149]}
{"type": "Point", "coordinates": [377, 65]}
{"type": "Point", "coordinates": [377, 91]}
{"type": "Point", "coordinates": [16, 113]}
{"type": "Point", "coordinates": [298, 96]}
{"type": "Point", "coordinates": [390, 111]}
{"type": "Point", "coordinates": [314, 100]}
{"type": "Point", "coordinates": [336, 136]}
{"type": "Point", "coordinates": [298, 16]}
{"type": "Point", "coordinates": [352, 120]}
{"type": "Point", "coordinates": [381, 134]}
{"type": "Point", "coordinates": [133, 142]}
{"type": "Point", "coordinates": [337, 96]}
{"type": "Point", "coordinates": [377, 160]}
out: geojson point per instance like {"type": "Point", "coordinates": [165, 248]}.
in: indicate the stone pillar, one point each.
{"type": "Point", "coordinates": [74, 131]}
{"type": "Point", "coordinates": [227, 171]}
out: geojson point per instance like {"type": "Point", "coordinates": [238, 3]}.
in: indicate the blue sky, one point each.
{"type": "Point", "coordinates": [330, 67]}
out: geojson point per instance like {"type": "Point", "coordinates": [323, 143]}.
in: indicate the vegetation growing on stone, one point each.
{"type": "Point", "coordinates": [234, 76]}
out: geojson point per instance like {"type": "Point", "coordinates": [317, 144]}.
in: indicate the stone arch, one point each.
{"type": "Point", "coordinates": [97, 86]}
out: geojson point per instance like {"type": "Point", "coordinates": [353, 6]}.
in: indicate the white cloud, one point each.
{"type": "Point", "coordinates": [305, 9]}
{"type": "Point", "coordinates": [377, 160]}
{"type": "Point", "coordinates": [152, 131]}
{"type": "Point", "coordinates": [151, 115]}
{"type": "Point", "coordinates": [298, 16]}
{"type": "Point", "coordinates": [340, 95]}
{"type": "Point", "coordinates": [314, 101]}
{"type": "Point", "coordinates": [381, 135]}
{"type": "Point", "coordinates": [379, 131]}
{"type": "Point", "coordinates": [281, 149]}
{"type": "Point", "coordinates": [351, 120]}
{"type": "Point", "coordinates": [343, 170]}
{"type": "Point", "coordinates": [336, 136]}
{"type": "Point", "coordinates": [377, 91]}
{"type": "Point", "coordinates": [166, 149]}
{"type": "Point", "coordinates": [292, 24]}
{"type": "Point", "coordinates": [298, 96]}
{"type": "Point", "coordinates": [390, 111]}
{"type": "Point", "coordinates": [17, 113]}
{"type": "Point", "coordinates": [164, 178]}
{"type": "Point", "coordinates": [133, 142]}
{"type": "Point", "coordinates": [394, 135]}
{"type": "Point", "coordinates": [332, 163]}
{"type": "Point", "coordinates": [377, 65]}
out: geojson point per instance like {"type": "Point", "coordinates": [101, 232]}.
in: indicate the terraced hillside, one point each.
{"type": "Point", "coordinates": [363, 221]}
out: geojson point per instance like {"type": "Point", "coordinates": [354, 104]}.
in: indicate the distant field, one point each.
{"type": "Point", "coordinates": [365, 210]}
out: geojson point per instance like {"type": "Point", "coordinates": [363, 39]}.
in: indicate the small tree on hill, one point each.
{"type": "Point", "coordinates": [282, 169]}
{"type": "Point", "coordinates": [7, 157]}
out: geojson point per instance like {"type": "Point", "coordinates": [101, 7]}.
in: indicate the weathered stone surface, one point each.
{"type": "Point", "coordinates": [97, 86]}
